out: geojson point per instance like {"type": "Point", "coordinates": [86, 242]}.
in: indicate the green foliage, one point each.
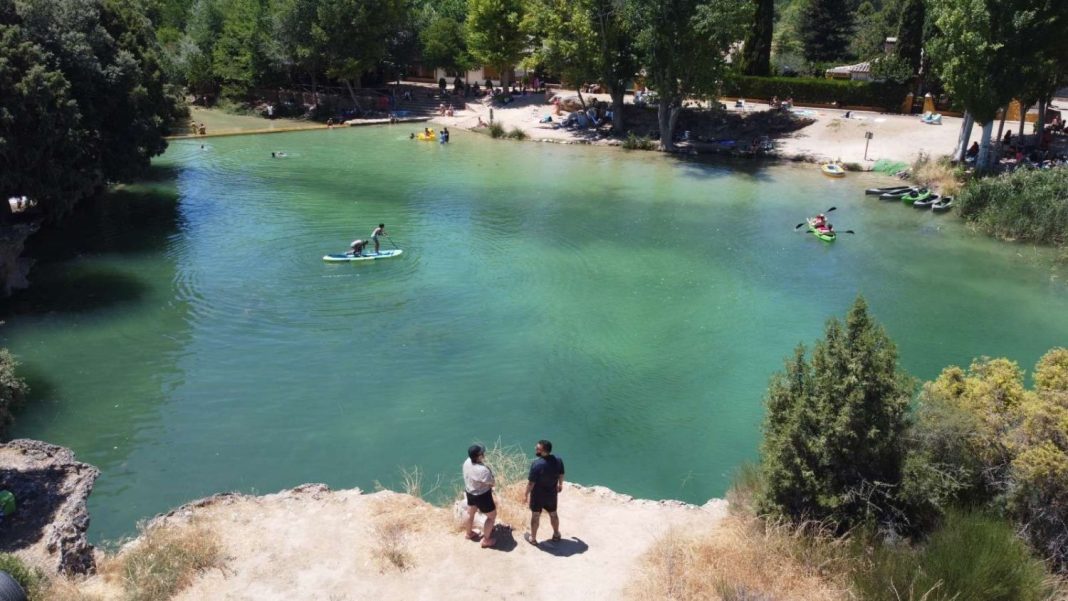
{"type": "Point", "coordinates": [444, 44]}
{"type": "Point", "coordinates": [496, 130]}
{"type": "Point", "coordinates": [825, 28]}
{"type": "Point", "coordinates": [833, 434]}
{"type": "Point", "coordinates": [13, 389]}
{"type": "Point", "coordinates": [756, 53]}
{"type": "Point", "coordinates": [683, 45]}
{"type": "Point", "coordinates": [31, 580]}
{"type": "Point", "coordinates": [1026, 205]}
{"type": "Point", "coordinates": [351, 34]}
{"type": "Point", "coordinates": [81, 108]}
{"type": "Point", "coordinates": [972, 556]}
{"type": "Point", "coordinates": [239, 55]}
{"type": "Point", "coordinates": [982, 438]}
{"type": "Point", "coordinates": [494, 35]}
{"type": "Point", "coordinates": [887, 95]}
{"type": "Point", "coordinates": [891, 68]}
{"type": "Point", "coordinates": [633, 142]}
{"type": "Point", "coordinates": [910, 33]}
{"type": "Point", "coordinates": [517, 134]}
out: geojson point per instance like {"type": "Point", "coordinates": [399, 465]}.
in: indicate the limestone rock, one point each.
{"type": "Point", "coordinates": [51, 489]}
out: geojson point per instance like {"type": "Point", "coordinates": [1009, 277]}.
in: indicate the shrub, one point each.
{"type": "Point", "coordinates": [517, 134]}
{"type": "Point", "coordinates": [496, 130]}
{"type": "Point", "coordinates": [886, 95]}
{"type": "Point", "coordinates": [972, 556]}
{"type": "Point", "coordinates": [1029, 205]}
{"type": "Point", "coordinates": [633, 142]}
{"type": "Point", "coordinates": [833, 434]}
{"type": "Point", "coordinates": [28, 578]}
{"type": "Point", "coordinates": [13, 389]}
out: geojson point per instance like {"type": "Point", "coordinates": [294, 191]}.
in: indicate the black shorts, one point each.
{"type": "Point", "coordinates": [484, 501]}
{"type": "Point", "coordinates": [543, 501]}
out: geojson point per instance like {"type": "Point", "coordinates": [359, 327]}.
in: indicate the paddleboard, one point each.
{"type": "Point", "coordinates": [371, 256]}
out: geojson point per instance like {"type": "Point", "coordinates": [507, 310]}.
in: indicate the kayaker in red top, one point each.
{"type": "Point", "coordinates": [820, 223]}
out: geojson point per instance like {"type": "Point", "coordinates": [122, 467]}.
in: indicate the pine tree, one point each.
{"type": "Point", "coordinates": [756, 55]}
{"type": "Point", "coordinates": [826, 26]}
{"type": "Point", "coordinates": [833, 435]}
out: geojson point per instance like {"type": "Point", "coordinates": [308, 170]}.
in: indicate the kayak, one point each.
{"type": "Point", "coordinates": [832, 170]}
{"type": "Point", "coordinates": [943, 204]}
{"type": "Point", "coordinates": [347, 258]}
{"type": "Point", "coordinates": [915, 195]}
{"type": "Point", "coordinates": [896, 195]}
{"type": "Point", "coordinates": [825, 236]}
{"type": "Point", "coordinates": [891, 189]}
{"type": "Point", "coordinates": [927, 202]}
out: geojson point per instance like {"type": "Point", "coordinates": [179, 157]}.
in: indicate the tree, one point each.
{"type": "Point", "coordinates": [354, 34]}
{"type": "Point", "coordinates": [239, 57]}
{"type": "Point", "coordinates": [756, 54]}
{"type": "Point", "coordinates": [833, 436]}
{"type": "Point", "coordinates": [825, 28]}
{"type": "Point", "coordinates": [292, 27]}
{"type": "Point", "coordinates": [910, 33]}
{"type": "Point", "coordinates": [494, 35]}
{"type": "Point", "coordinates": [445, 45]}
{"type": "Point", "coordinates": [683, 45]}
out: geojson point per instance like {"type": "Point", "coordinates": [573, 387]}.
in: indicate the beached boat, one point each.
{"type": "Point", "coordinates": [832, 170]}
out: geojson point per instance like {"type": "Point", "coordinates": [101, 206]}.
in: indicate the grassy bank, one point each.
{"type": "Point", "coordinates": [1025, 205]}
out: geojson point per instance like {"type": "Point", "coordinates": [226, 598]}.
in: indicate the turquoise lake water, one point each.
{"type": "Point", "coordinates": [186, 337]}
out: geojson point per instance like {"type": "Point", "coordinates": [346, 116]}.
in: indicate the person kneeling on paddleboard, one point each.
{"type": "Point", "coordinates": [378, 231]}
{"type": "Point", "coordinates": [357, 248]}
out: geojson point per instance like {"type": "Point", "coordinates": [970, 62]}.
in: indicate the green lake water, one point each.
{"type": "Point", "coordinates": [186, 337]}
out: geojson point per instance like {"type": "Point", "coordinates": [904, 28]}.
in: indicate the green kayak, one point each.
{"type": "Point", "coordinates": [825, 236]}
{"type": "Point", "coordinates": [912, 197]}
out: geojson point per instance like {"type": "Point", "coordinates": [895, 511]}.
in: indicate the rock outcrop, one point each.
{"type": "Point", "coordinates": [51, 489]}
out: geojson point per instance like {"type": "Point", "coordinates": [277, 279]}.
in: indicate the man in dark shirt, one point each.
{"type": "Point", "coordinates": [546, 479]}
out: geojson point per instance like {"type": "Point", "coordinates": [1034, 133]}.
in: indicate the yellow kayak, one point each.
{"type": "Point", "coordinates": [832, 170]}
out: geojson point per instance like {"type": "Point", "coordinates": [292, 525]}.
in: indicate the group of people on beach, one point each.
{"type": "Point", "coordinates": [357, 246]}
{"type": "Point", "coordinates": [545, 480]}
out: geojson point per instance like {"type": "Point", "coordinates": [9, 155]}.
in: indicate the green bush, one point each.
{"type": "Point", "coordinates": [517, 134]}
{"type": "Point", "coordinates": [972, 556]}
{"type": "Point", "coordinates": [496, 130]}
{"type": "Point", "coordinates": [27, 577]}
{"type": "Point", "coordinates": [833, 435]}
{"type": "Point", "coordinates": [1027, 205]}
{"type": "Point", "coordinates": [12, 389]}
{"type": "Point", "coordinates": [886, 95]}
{"type": "Point", "coordinates": [633, 142]}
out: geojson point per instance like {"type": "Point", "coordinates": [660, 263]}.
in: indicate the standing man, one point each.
{"type": "Point", "coordinates": [478, 485]}
{"type": "Point", "coordinates": [378, 231]}
{"type": "Point", "coordinates": [546, 479]}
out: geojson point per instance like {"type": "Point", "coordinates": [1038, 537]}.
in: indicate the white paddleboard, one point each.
{"type": "Point", "coordinates": [371, 256]}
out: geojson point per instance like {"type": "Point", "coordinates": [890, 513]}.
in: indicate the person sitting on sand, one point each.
{"type": "Point", "coordinates": [357, 248]}
{"type": "Point", "coordinates": [481, 123]}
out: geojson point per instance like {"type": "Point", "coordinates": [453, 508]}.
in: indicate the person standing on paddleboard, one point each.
{"type": "Point", "coordinates": [378, 231]}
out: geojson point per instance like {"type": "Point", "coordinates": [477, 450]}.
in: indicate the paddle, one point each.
{"type": "Point", "coordinates": [390, 238]}
{"type": "Point", "coordinates": [798, 226]}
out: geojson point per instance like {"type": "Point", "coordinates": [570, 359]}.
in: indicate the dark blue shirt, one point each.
{"type": "Point", "coordinates": [545, 472]}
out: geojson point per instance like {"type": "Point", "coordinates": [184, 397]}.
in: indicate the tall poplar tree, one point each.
{"type": "Point", "coordinates": [910, 33]}
{"type": "Point", "coordinates": [826, 27]}
{"type": "Point", "coordinates": [494, 35]}
{"type": "Point", "coordinates": [756, 54]}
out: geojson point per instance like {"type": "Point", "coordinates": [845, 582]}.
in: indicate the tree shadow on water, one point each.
{"type": "Point", "coordinates": [57, 290]}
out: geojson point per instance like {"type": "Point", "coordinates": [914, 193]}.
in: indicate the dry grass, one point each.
{"type": "Point", "coordinates": [510, 467]}
{"type": "Point", "coordinates": [164, 561]}
{"type": "Point", "coordinates": [64, 589]}
{"type": "Point", "coordinates": [936, 173]}
{"type": "Point", "coordinates": [744, 559]}
{"type": "Point", "coordinates": [396, 521]}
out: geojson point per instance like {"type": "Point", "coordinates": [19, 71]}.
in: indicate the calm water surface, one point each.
{"type": "Point", "coordinates": [188, 338]}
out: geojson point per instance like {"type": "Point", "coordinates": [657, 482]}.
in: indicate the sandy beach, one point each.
{"type": "Point", "coordinates": [833, 136]}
